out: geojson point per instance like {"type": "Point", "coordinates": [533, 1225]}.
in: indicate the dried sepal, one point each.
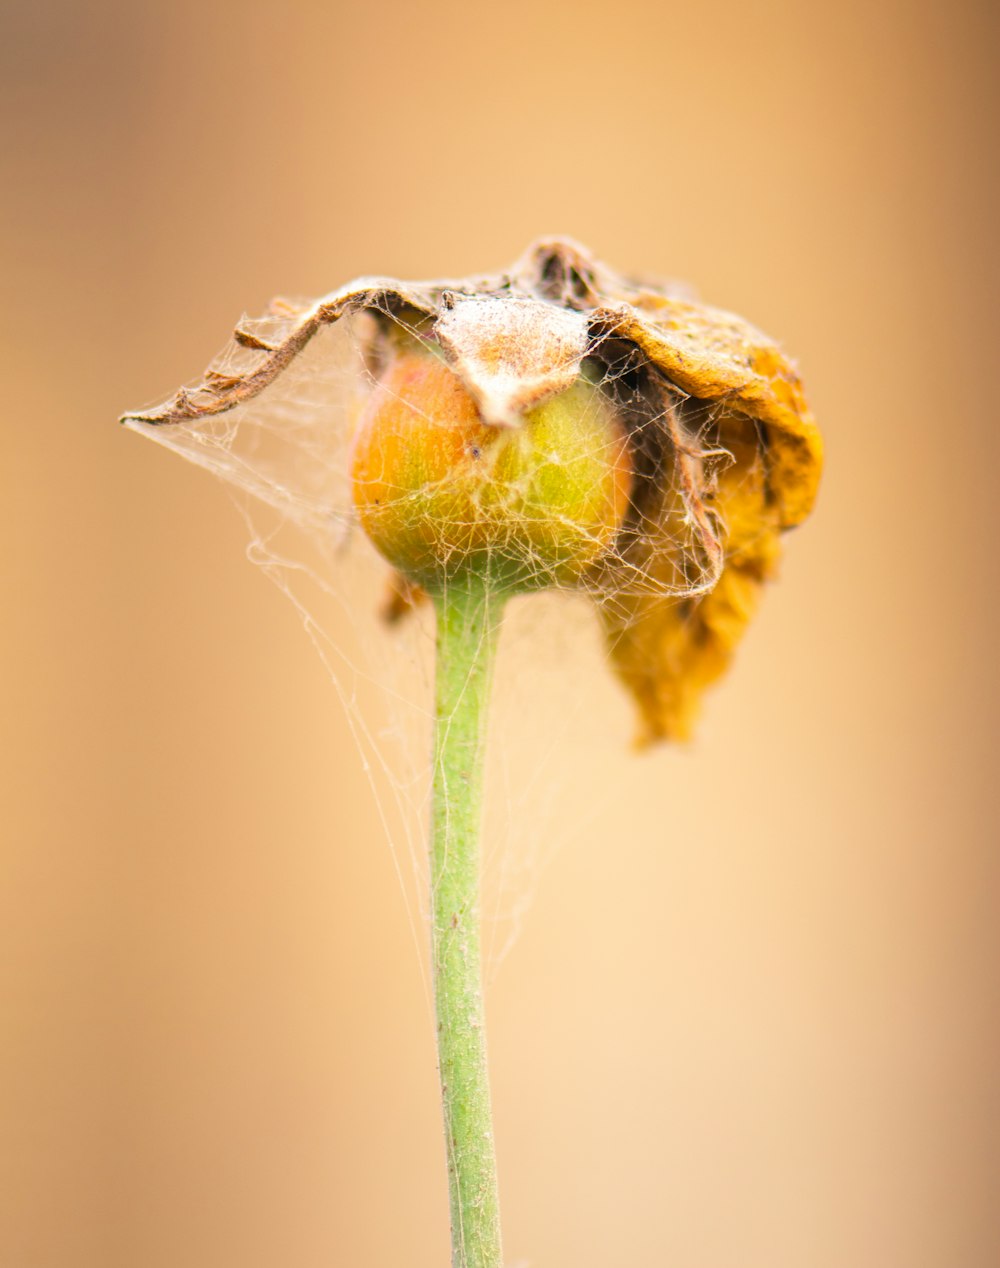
{"type": "Point", "coordinates": [724, 451]}
{"type": "Point", "coordinates": [402, 596]}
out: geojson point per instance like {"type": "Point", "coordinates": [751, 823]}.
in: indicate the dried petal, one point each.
{"type": "Point", "coordinates": [714, 356]}
{"type": "Point", "coordinates": [668, 651]}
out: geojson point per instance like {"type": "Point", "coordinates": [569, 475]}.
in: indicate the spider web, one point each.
{"type": "Point", "coordinates": [285, 456]}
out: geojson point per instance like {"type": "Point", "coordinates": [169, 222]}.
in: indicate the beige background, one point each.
{"type": "Point", "coordinates": [751, 1019]}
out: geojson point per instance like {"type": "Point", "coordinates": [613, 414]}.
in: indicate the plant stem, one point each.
{"type": "Point", "coordinates": [468, 617]}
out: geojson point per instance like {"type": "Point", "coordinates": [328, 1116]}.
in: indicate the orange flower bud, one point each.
{"type": "Point", "coordinates": [442, 493]}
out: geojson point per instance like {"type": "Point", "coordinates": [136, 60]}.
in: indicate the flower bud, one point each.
{"type": "Point", "coordinates": [442, 494]}
{"type": "Point", "coordinates": [489, 449]}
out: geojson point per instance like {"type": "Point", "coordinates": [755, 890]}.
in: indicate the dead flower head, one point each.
{"type": "Point", "coordinates": [582, 429]}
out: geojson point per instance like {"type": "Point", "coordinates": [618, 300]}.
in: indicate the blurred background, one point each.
{"type": "Point", "coordinates": [751, 1017]}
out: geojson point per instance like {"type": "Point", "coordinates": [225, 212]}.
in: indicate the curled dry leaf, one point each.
{"type": "Point", "coordinates": [724, 453]}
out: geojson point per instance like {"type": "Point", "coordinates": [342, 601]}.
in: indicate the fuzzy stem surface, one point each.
{"type": "Point", "coordinates": [468, 616]}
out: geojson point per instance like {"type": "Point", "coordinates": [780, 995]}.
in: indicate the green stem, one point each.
{"type": "Point", "coordinates": [468, 618]}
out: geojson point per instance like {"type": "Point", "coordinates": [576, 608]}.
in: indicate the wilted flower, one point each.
{"type": "Point", "coordinates": [561, 424]}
